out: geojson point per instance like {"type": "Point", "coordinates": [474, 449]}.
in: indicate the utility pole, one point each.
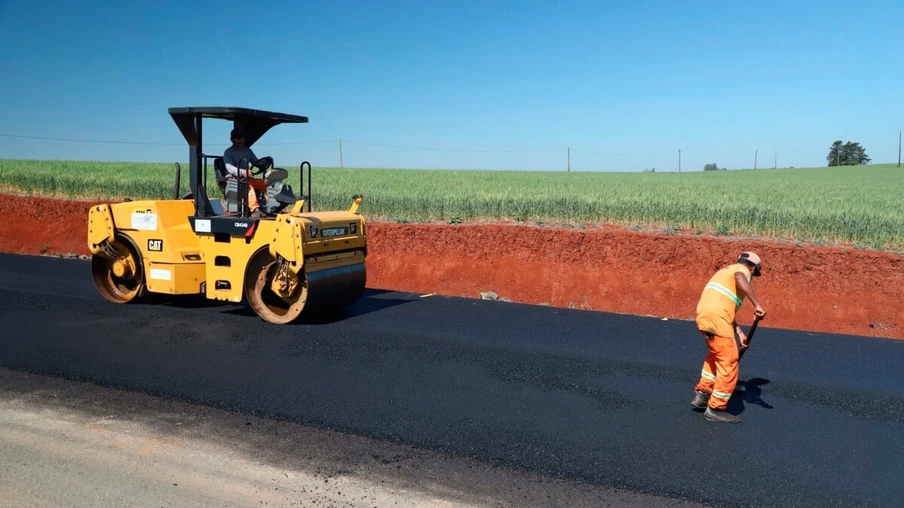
{"type": "Point", "coordinates": [340, 153]}
{"type": "Point", "coordinates": [755, 154]}
{"type": "Point", "coordinates": [569, 159]}
{"type": "Point", "coordinates": [899, 148]}
{"type": "Point", "coordinates": [775, 166]}
{"type": "Point", "coordinates": [679, 160]}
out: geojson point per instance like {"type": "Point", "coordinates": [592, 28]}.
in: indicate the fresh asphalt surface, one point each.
{"type": "Point", "coordinates": [590, 396]}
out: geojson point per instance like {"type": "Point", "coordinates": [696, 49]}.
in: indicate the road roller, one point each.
{"type": "Point", "coordinates": [283, 261]}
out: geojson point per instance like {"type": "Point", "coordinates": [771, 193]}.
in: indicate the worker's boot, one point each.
{"type": "Point", "coordinates": [715, 415]}
{"type": "Point", "coordinates": [285, 195]}
{"type": "Point", "coordinates": [701, 399]}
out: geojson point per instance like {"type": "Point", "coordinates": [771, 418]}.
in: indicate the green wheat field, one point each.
{"type": "Point", "coordinates": [862, 205]}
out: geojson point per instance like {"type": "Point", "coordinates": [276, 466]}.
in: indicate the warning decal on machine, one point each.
{"type": "Point", "coordinates": [157, 273]}
{"type": "Point", "coordinates": [144, 219]}
{"type": "Point", "coordinates": [202, 226]}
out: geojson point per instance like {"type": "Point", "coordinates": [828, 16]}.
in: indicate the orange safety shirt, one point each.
{"type": "Point", "coordinates": [720, 300]}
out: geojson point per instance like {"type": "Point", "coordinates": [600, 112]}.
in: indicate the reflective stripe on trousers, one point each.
{"type": "Point", "coordinates": [719, 375]}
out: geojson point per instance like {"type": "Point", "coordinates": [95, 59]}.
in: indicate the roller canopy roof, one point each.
{"type": "Point", "coordinates": [254, 122]}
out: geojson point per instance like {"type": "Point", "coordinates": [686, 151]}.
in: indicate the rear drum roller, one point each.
{"type": "Point", "coordinates": [119, 280]}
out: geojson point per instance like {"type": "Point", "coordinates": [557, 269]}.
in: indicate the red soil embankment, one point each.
{"type": "Point", "coordinates": [804, 288]}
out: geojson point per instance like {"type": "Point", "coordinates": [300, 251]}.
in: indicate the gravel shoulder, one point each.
{"type": "Point", "coordinates": [67, 443]}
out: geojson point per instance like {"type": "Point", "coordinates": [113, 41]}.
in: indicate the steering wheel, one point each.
{"type": "Point", "coordinates": [263, 164]}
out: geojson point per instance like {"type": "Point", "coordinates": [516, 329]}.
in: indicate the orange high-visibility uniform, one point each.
{"type": "Point", "coordinates": [255, 184]}
{"type": "Point", "coordinates": [715, 317]}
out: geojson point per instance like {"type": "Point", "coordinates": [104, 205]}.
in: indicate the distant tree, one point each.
{"type": "Point", "coordinates": [847, 154]}
{"type": "Point", "coordinates": [711, 167]}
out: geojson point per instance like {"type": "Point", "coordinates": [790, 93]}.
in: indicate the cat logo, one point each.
{"type": "Point", "coordinates": [155, 245]}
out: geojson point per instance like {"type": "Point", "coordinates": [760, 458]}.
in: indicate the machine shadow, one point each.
{"type": "Point", "coordinates": [371, 301]}
{"type": "Point", "coordinates": [181, 301]}
{"type": "Point", "coordinates": [748, 392]}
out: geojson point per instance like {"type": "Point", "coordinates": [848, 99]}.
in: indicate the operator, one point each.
{"type": "Point", "coordinates": [232, 156]}
{"type": "Point", "coordinates": [716, 321]}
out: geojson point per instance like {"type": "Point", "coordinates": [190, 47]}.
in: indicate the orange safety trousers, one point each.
{"type": "Point", "coordinates": [255, 184]}
{"type": "Point", "coordinates": [720, 370]}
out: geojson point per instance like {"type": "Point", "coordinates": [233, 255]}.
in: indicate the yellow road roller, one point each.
{"type": "Point", "coordinates": [283, 260]}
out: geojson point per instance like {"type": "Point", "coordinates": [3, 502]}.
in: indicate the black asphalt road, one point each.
{"type": "Point", "coordinates": [590, 396]}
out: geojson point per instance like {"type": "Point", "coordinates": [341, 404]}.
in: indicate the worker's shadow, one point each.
{"type": "Point", "coordinates": [747, 392]}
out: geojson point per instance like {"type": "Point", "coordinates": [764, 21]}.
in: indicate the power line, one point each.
{"type": "Point", "coordinates": [655, 154]}
{"type": "Point", "coordinates": [46, 138]}
{"type": "Point", "coordinates": [367, 143]}
{"type": "Point", "coordinates": [323, 141]}
{"type": "Point", "coordinates": [147, 143]}
{"type": "Point", "coordinates": [153, 143]}
{"type": "Point", "coordinates": [450, 149]}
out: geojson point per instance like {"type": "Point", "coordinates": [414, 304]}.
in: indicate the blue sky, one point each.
{"type": "Point", "coordinates": [625, 85]}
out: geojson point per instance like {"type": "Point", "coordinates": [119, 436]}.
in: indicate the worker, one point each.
{"type": "Point", "coordinates": [722, 296]}
{"type": "Point", "coordinates": [232, 157]}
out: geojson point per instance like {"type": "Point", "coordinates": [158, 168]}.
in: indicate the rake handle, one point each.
{"type": "Point", "coordinates": [756, 321]}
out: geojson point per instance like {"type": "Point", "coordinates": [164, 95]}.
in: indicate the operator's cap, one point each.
{"type": "Point", "coordinates": [753, 258]}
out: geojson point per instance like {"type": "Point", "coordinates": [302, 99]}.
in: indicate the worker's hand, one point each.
{"type": "Point", "coordinates": [743, 339]}
{"type": "Point", "coordinates": [759, 311]}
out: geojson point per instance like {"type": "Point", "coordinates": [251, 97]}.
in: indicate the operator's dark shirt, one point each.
{"type": "Point", "coordinates": [232, 156]}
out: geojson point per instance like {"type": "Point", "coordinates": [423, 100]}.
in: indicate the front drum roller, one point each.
{"type": "Point", "coordinates": [322, 290]}
{"type": "Point", "coordinates": [118, 273]}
